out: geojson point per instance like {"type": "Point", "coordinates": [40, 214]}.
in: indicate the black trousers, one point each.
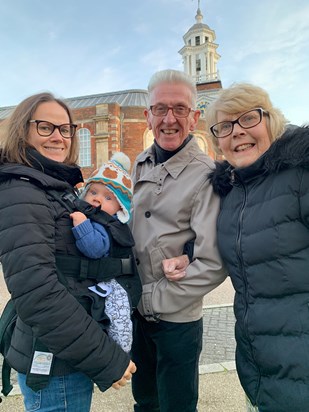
{"type": "Point", "coordinates": [167, 356]}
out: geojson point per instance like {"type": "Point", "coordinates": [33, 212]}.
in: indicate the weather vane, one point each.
{"type": "Point", "coordinates": [198, 4]}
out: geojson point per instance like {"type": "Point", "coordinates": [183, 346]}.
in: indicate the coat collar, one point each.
{"type": "Point", "coordinates": [48, 173]}
{"type": "Point", "coordinates": [176, 164]}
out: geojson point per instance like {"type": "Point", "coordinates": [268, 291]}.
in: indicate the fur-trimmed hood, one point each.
{"type": "Point", "coordinates": [290, 151]}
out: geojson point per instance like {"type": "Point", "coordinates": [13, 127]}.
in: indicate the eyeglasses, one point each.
{"type": "Point", "coordinates": [45, 129]}
{"type": "Point", "coordinates": [178, 111]}
{"type": "Point", "coordinates": [246, 121]}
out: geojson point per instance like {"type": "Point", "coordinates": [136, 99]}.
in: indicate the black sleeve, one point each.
{"type": "Point", "coordinates": [188, 249]}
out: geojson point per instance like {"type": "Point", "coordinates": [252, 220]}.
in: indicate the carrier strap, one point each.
{"type": "Point", "coordinates": [8, 319]}
{"type": "Point", "coordinates": [6, 378]}
{"type": "Point", "coordinates": [97, 269]}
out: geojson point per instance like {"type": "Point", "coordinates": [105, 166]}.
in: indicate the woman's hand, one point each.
{"type": "Point", "coordinates": [126, 376]}
{"type": "Point", "coordinates": [175, 268]}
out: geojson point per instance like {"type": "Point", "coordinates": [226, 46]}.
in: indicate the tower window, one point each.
{"type": "Point", "coordinates": [198, 65]}
{"type": "Point", "coordinates": [197, 40]}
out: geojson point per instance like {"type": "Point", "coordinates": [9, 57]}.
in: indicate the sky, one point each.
{"type": "Point", "coordinates": [81, 47]}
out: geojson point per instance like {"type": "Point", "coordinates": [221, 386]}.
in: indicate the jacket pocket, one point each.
{"type": "Point", "coordinates": [156, 257]}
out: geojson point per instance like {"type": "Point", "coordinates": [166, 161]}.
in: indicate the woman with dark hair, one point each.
{"type": "Point", "coordinates": [57, 348]}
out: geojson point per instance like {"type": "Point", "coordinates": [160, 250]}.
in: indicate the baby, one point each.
{"type": "Point", "coordinates": [109, 188]}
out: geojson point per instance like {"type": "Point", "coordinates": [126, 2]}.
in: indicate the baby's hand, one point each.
{"type": "Point", "coordinates": [78, 218]}
{"type": "Point", "coordinates": [175, 268]}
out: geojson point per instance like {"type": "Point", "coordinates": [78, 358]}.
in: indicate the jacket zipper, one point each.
{"type": "Point", "coordinates": [246, 295]}
{"type": "Point", "coordinates": [238, 243]}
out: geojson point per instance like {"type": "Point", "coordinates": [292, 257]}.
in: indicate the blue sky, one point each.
{"type": "Point", "coordinates": [78, 47]}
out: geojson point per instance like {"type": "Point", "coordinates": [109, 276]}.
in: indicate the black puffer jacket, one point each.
{"type": "Point", "coordinates": [263, 235]}
{"type": "Point", "coordinates": [33, 227]}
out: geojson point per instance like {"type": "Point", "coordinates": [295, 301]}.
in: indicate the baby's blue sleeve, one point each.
{"type": "Point", "coordinates": [91, 239]}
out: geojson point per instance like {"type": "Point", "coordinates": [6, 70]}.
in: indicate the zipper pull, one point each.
{"type": "Point", "coordinates": [232, 177]}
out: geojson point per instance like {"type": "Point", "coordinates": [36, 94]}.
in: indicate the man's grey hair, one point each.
{"type": "Point", "coordinates": [173, 76]}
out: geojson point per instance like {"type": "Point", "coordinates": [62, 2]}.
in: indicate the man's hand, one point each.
{"type": "Point", "coordinates": [126, 376]}
{"type": "Point", "coordinates": [175, 268]}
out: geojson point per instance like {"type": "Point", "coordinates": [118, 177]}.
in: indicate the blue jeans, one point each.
{"type": "Point", "coordinates": [167, 356]}
{"type": "Point", "coordinates": [68, 393]}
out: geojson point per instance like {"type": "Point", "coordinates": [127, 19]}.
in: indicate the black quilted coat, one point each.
{"type": "Point", "coordinates": [33, 227]}
{"type": "Point", "coordinates": [263, 235]}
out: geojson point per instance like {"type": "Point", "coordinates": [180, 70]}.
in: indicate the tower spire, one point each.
{"type": "Point", "coordinates": [199, 16]}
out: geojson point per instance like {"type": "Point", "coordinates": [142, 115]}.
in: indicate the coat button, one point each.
{"type": "Point", "coordinates": [147, 214]}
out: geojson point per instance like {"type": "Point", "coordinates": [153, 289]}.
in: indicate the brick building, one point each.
{"type": "Point", "coordinates": [115, 121]}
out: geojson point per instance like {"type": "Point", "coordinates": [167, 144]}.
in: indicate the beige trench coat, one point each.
{"type": "Point", "coordinates": [174, 203]}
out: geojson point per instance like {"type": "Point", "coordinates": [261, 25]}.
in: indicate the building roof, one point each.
{"type": "Point", "coordinates": [134, 97]}
{"type": "Point", "coordinates": [131, 98]}
{"type": "Point", "coordinates": [198, 27]}
{"type": "Point", "coordinates": [6, 111]}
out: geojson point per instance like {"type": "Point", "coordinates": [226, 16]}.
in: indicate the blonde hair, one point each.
{"type": "Point", "coordinates": [15, 130]}
{"type": "Point", "coordinates": [241, 97]}
{"type": "Point", "coordinates": [173, 77]}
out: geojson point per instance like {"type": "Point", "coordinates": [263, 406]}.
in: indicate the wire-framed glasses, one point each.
{"type": "Point", "coordinates": [178, 111]}
{"type": "Point", "coordinates": [246, 121]}
{"type": "Point", "coordinates": [45, 129]}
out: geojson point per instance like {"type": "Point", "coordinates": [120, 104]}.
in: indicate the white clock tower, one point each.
{"type": "Point", "coordinates": [199, 53]}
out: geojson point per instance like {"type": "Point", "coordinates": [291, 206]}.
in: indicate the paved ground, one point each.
{"type": "Point", "coordinates": [220, 390]}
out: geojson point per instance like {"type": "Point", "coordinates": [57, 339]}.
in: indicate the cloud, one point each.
{"type": "Point", "coordinates": [141, 28]}
{"type": "Point", "coordinates": [159, 59]}
{"type": "Point", "coordinates": [261, 44]}
{"type": "Point", "coordinates": [275, 57]}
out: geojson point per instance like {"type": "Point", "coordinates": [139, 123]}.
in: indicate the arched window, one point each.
{"type": "Point", "coordinates": [202, 143]}
{"type": "Point", "coordinates": [148, 138]}
{"type": "Point", "coordinates": [84, 147]}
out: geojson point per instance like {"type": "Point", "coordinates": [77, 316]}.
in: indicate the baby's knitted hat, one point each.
{"type": "Point", "coordinates": [114, 175]}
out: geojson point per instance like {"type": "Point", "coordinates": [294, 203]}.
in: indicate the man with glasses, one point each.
{"type": "Point", "coordinates": [174, 213]}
